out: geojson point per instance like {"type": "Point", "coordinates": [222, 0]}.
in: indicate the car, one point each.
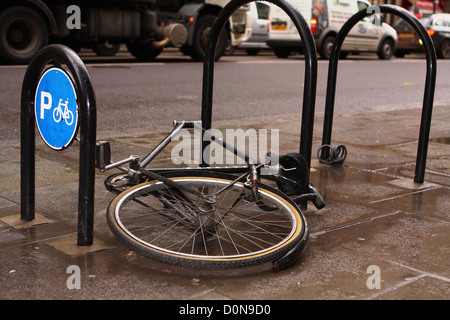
{"type": "Point", "coordinates": [325, 18]}
{"type": "Point", "coordinates": [258, 15]}
{"type": "Point", "coordinates": [438, 27]}
{"type": "Point", "coordinates": [258, 19]}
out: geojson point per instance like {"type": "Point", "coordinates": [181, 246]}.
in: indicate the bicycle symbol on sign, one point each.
{"type": "Point", "coordinates": [60, 113]}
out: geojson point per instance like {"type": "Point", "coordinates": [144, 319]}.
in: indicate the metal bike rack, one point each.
{"type": "Point", "coordinates": [59, 55]}
{"type": "Point", "coordinates": [309, 48]}
{"type": "Point", "coordinates": [429, 82]}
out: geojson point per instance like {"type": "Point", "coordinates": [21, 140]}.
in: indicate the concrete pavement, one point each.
{"type": "Point", "coordinates": [380, 236]}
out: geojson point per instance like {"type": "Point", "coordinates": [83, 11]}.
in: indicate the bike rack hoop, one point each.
{"type": "Point", "coordinates": [59, 55]}
{"type": "Point", "coordinates": [430, 80]}
{"type": "Point", "coordinates": [309, 48]}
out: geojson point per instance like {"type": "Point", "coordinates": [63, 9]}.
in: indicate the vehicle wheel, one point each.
{"type": "Point", "coordinates": [201, 37]}
{"type": "Point", "coordinates": [229, 49]}
{"type": "Point", "coordinates": [325, 50]}
{"type": "Point", "coordinates": [281, 52]}
{"type": "Point", "coordinates": [386, 50]}
{"type": "Point", "coordinates": [106, 49]}
{"type": "Point", "coordinates": [444, 50]}
{"type": "Point", "coordinates": [143, 51]}
{"type": "Point", "coordinates": [22, 34]}
{"type": "Point", "coordinates": [174, 226]}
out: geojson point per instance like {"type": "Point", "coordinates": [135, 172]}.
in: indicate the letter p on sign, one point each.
{"type": "Point", "coordinates": [46, 102]}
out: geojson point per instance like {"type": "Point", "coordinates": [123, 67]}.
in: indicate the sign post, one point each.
{"type": "Point", "coordinates": [58, 101]}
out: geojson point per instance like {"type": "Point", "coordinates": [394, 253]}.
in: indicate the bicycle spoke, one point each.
{"type": "Point", "coordinates": [224, 222]}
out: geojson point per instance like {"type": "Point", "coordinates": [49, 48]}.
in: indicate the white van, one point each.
{"type": "Point", "coordinates": [258, 18]}
{"type": "Point", "coordinates": [325, 18]}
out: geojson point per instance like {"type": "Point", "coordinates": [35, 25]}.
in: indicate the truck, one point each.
{"type": "Point", "coordinates": [146, 27]}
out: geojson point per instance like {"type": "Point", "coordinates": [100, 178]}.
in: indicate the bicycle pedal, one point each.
{"type": "Point", "coordinates": [102, 154]}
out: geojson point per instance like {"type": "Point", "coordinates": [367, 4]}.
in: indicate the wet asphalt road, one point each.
{"type": "Point", "coordinates": [131, 94]}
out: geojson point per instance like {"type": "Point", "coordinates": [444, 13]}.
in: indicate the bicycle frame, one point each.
{"type": "Point", "coordinates": [138, 169]}
{"type": "Point", "coordinates": [177, 127]}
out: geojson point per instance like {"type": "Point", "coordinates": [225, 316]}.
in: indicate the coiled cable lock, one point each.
{"type": "Point", "coordinates": [336, 154]}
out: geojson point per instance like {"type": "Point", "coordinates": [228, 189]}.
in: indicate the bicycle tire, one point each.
{"type": "Point", "coordinates": [291, 231]}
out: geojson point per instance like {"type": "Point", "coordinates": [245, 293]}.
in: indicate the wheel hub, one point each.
{"type": "Point", "coordinates": [207, 214]}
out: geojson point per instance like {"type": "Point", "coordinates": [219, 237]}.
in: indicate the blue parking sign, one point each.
{"type": "Point", "coordinates": [56, 109]}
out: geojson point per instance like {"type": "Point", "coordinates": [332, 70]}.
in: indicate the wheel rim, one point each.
{"type": "Point", "coordinates": [387, 50]}
{"type": "Point", "coordinates": [204, 36]}
{"type": "Point", "coordinates": [21, 36]}
{"type": "Point", "coordinates": [238, 234]}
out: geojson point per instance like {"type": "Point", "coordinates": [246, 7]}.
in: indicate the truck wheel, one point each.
{"type": "Point", "coordinates": [201, 37]}
{"type": "Point", "coordinates": [143, 51]}
{"type": "Point", "coordinates": [22, 34]}
{"type": "Point", "coordinates": [386, 50]}
{"type": "Point", "coordinates": [105, 49]}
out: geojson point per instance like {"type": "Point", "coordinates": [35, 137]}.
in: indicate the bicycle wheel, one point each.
{"type": "Point", "coordinates": [68, 117]}
{"type": "Point", "coordinates": [57, 115]}
{"type": "Point", "coordinates": [172, 226]}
